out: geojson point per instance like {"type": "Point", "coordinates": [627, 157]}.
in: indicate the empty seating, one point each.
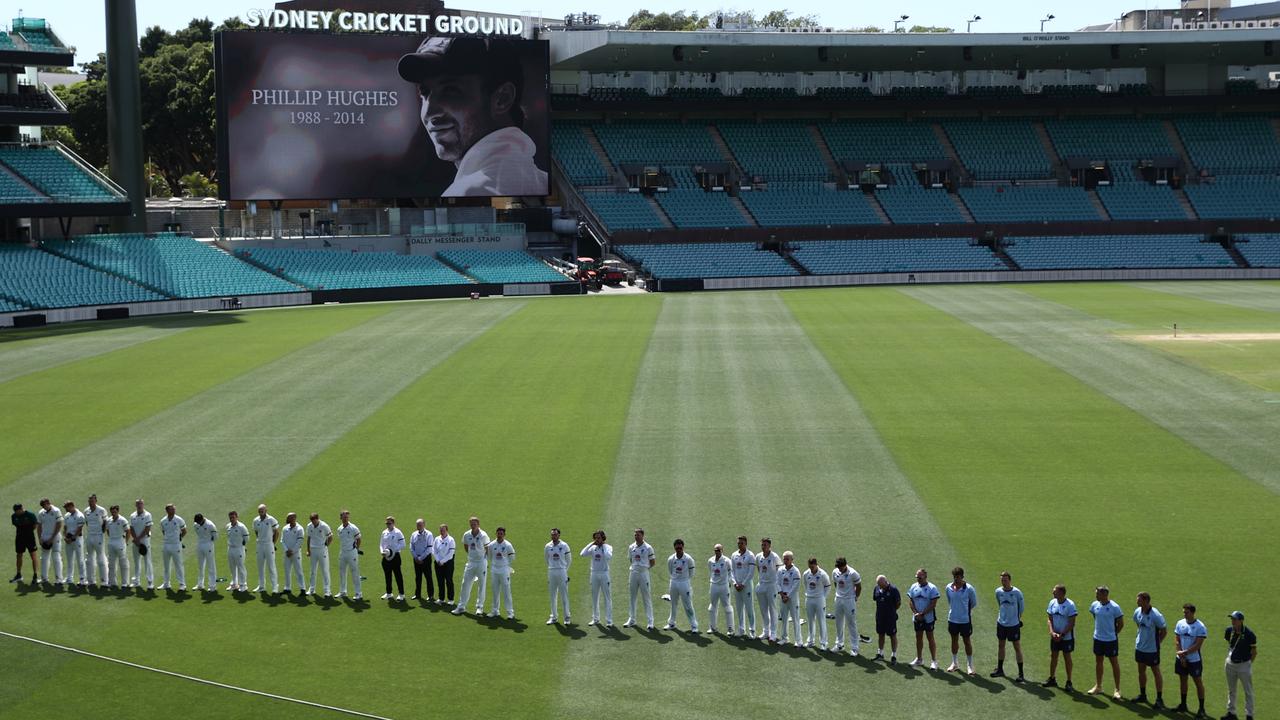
{"type": "Point", "coordinates": [692, 93]}
{"type": "Point", "coordinates": [779, 150]}
{"type": "Point", "coordinates": [603, 94]}
{"type": "Point", "coordinates": [37, 279]}
{"type": "Point", "coordinates": [1116, 252]}
{"type": "Point", "coordinates": [344, 270]}
{"type": "Point", "coordinates": [657, 143]}
{"type": "Point", "coordinates": [13, 190]}
{"type": "Point", "coordinates": [501, 266]}
{"type": "Point", "coordinates": [910, 203]}
{"type": "Point", "coordinates": [1028, 203]}
{"type": "Point", "coordinates": [842, 93]}
{"type": "Point", "coordinates": [694, 208]}
{"type": "Point", "coordinates": [1058, 90]}
{"type": "Point", "coordinates": [838, 257]}
{"type": "Point", "coordinates": [575, 155]}
{"type": "Point", "coordinates": [1236, 196]}
{"type": "Point", "coordinates": [1260, 250]}
{"type": "Point", "coordinates": [55, 174]}
{"type": "Point", "coordinates": [882, 141]}
{"type": "Point", "coordinates": [918, 93]}
{"type": "Point", "coordinates": [1231, 145]}
{"type": "Point", "coordinates": [176, 265]}
{"type": "Point", "coordinates": [767, 93]}
{"type": "Point", "coordinates": [1110, 138]}
{"type": "Point", "coordinates": [623, 211]}
{"type": "Point", "coordinates": [40, 40]}
{"type": "Point", "coordinates": [999, 149]}
{"type": "Point", "coordinates": [1141, 201]}
{"type": "Point", "coordinates": [993, 91]}
{"type": "Point", "coordinates": [707, 260]}
{"type": "Point", "coordinates": [808, 204]}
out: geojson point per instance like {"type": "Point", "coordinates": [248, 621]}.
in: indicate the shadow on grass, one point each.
{"type": "Point", "coordinates": [611, 632]}
{"type": "Point", "coordinates": [177, 321]}
{"type": "Point", "coordinates": [573, 632]}
{"type": "Point", "coordinates": [654, 635]}
{"type": "Point", "coordinates": [499, 623]}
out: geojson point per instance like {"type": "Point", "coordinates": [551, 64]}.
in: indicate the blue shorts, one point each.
{"type": "Point", "coordinates": [887, 626]}
{"type": "Point", "coordinates": [1106, 648]}
{"type": "Point", "coordinates": [922, 626]}
{"type": "Point", "coordinates": [1151, 659]}
{"type": "Point", "coordinates": [1066, 646]}
{"type": "Point", "coordinates": [1190, 669]}
{"type": "Point", "coordinates": [961, 629]}
{"type": "Point", "coordinates": [1012, 634]}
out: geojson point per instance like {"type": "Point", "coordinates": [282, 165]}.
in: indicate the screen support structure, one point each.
{"type": "Point", "coordinates": [124, 112]}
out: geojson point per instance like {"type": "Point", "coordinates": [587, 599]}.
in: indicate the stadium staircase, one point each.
{"type": "Point", "coordinates": [725, 152]}
{"type": "Point", "coordinates": [874, 202]}
{"type": "Point", "coordinates": [800, 268]}
{"type": "Point", "coordinates": [742, 208]}
{"type": "Point", "coordinates": [660, 212]}
{"type": "Point", "coordinates": [1098, 204]}
{"type": "Point", "coordinates": [1060, 170]}
{"type": "Point", "coordinates": [828, 157]}
{"type": "Point", "coordinates": [964, 209]}
{"type": "Point", "coordinates": [1181, 196]}
{"type": "Point", "coordinates": [949, 148]}
{"type": "Point", "coordinates": [52, 250]}
{"type": "Point", "coordinates": [593, 142]}
{"type": "Point", "coordinates": [998, 251]}
{"type": "Point", "coordinates": [1175, 140]}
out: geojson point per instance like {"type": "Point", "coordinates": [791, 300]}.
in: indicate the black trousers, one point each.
{"type": "Point", "coordinates": [423, 570]}
{"type": "Point", "coordinates": [391, 566]}
{"type": "Point", "coordinates": [444, 580]}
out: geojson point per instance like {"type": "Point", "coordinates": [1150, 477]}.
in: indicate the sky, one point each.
{"type": "Point", "coordinates": [82, 23]}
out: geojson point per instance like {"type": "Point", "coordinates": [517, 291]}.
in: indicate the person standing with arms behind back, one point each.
{"type": "Point", "coordinates": [1242, 647]}
{"type": "Point", "coordinates": [1108, 621]}
{"type": "Point", "coordinates": [173, 529]}
{"type": "Point", "coordinates": [442, 553]}
{"type": "Point", "coordinates": [421, 545]}
{"type": "Point", "coordinates": [1010, 604]}
{"type": "Point", "coordinates": [848, 589]}
{"type": "Point", "coordinates": [888, 599]}
{"type": "Point", "coordinates": [501, 554]}
{"type": "Point", "coordinates": [680, 568]}
{"type": "Point", "coordinates": [348, 555]}
{"type": "Point", "coordinates": [1062, 634]}
{"type": "Point", "coordinates": [601, 554]}
{"type": "Point", "coordinates": [475, 543]}
{"type": "Point", "coordinates": [924, 600]}
{"type": "Point", "coordinates": [558, 558]}
{"type": "Point", "coordinates": [1191, 634]}
{"type": "Point", "coordinates": [961, 600]}
{"type": "Point", "coordinates": [1146, 647]}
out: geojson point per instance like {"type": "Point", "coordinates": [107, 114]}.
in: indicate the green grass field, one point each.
{"type": "Point", "coordinates": [1028, 428]}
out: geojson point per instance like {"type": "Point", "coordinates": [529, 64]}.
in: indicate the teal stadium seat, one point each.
{"type": "Point", "coordinates": [1262, 250]}
{"type": "Point", "coordinates": [1235, 145]}
{"type": "Point", "coordinates": [778, 150]}
{"type": "Point", "coordinates": [502, 266]}
{"type": "Point", "coordinates": [574, 153]}
{"type": "Point", "coordinates": [40, 40]}
{"type": "Point", "coordinates": [1116, 252]}
{"type": "Point", "coordinates": [657, 142]}
{"type": "Point", "coordinates": [176, 265]}
{"type": "Point", "coordinates": [13, 190]}
{"type": "Point", "coordinates": [911, 203]}
{"type": "Point", "coordinates": [1140, 201]}
{"type": "Point", "coordinates": [706, 260]}
{"type": "Point", "coordinates": [55, 174]}
{"type": "Point", "coordinates": [805, 204]}
{"type": "Point", "coordinates": [1120, 138]}
{"type": "Point", "coordinates": [1028, 203]}
{"type": "Point", "coordinates": [623, 210]}
{"type": "Point", "coordinates": [345, 270]}
{"type": "Point", "coordinates": [1000, 149]}
{"type": "Point", "coordinates": [882, 141]}
{"type": "Point", "coordinates": [1236, 196]}
{"type": "Point", "coordinates": [33, 278]}
{"type": "Point", "coordinates": [840, 257]}
{"type": "Point", "coordinates": [697, 208]}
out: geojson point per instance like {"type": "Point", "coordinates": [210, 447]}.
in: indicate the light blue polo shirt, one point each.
{"type": "Point", "coordinates": [921, 597]}
{"type": "Point", "coordinates": [1060, 613]}
{"type": "Point", "coordinates": [1011, 606]}
{"type": "Point", "coordinates": [1149, 625]}
{"type": "Point", "coordinates": [1104, 619]}
{"type": "Point", "coordinates": [960, 603]}
{"type": "Point", "coordinates": [1187, 634]}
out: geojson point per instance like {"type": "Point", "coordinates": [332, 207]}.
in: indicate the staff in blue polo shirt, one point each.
{"type": "Point", "coordinates": [1191, 634]}
{"type": "Point", "coordinates": [961, 600]}
{"type": "Point", "coordinates": [1108, 621]}
{"type": "Point", "coordinates": [1146, 648]}
{"type": "Point", "coordinates": [924, 599]}
{"type": "Point", "coordinates": [1009, 623]}
{"type": "Point", "coordinates": [1242, 647]}
{"type": "Point", "coordinates": [1062, 634]}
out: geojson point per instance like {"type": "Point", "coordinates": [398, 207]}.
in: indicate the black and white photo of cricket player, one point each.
{"type": "Point", "coordinates": [471, 91]}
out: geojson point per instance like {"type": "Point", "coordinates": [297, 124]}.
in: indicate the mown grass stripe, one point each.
{"type": "Point", "coordinates": [22, 358]}
{"type": "Point", "coordinates": [1251, 295]}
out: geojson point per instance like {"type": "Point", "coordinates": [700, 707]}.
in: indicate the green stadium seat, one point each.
{"type": "Point", "coordinates": [345, 270]}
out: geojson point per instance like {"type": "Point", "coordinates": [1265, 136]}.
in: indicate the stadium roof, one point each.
{"type": "Point", "coordinates": [610, 50]}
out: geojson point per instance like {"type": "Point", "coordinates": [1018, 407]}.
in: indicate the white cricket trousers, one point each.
{"type": "Point", "coordinates": [117, 565]}
{"type": "Point", "coordinates": [640, 588]}
{"type": "Point", "coordinates": [745, 607]}
{"type": "Point", "coordinates": [239, 576]}
{"type": "Point", "coordinates": [206, 566]}
{"type": "Point", "coordinates": [292, 569]}
{"type": "Point", "coordinates": [847, 619]}
{"type": "Point", "coordinates": [348, 563]}
{"type": "Point", "coordinates": [719, 598]}
{"type": "Point", "coordinates": [142, 566]}
{"type": "Point", "coordinates": [789, 615]}
{"type": "Point", "coordinates": [600, 588]}
{"type": "Point", "coordinates": [471, 573]}
{"type": "Point", "coordinates": [319, 558]}
{"type": "Point", "coordinates": [95, 562]}
{"type": "Point", "coordinates": [682, 594]}
{"type": "Point", "coordinates": [73, 561]}
{"type": "Point", "coordinates": [815, 613]}
{"type": "Point", "coordinates": [267, 567]}
{"type": "Point", "coordinates": [51, 556]}
{"type": "Point", "coordinates": [1243, 673]}
{"type": "Point", "coordinates": [174, 555]}
{"type": "Point", "coordinates": [766, 594]}
{"type": "Point", "coordinates": [502, 592]}
{"type": "Point", "coordinates": [558, 589]}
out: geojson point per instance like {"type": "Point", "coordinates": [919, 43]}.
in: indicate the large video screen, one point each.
{"type": "Point", "coordinates": [310, 116]}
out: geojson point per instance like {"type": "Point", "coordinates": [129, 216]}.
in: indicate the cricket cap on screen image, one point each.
{"type": "Point", "coordinates": [497, 59]}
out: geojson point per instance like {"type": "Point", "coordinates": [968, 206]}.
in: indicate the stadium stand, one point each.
{"type": "Point", "coordinates": [341, 270]}
{"type": "Point", "coordinates": [695, 208]}
{"type": "Point", "coordinates": [1261, 250]}
{"type": "Point", "coordinates": [1140, 201]}
{"type": "Point", "coordinates": [999, 149]}
{"type": "Point", "coordinates": [13, 190]}
{"type": "Point", "coordinates": [657, 143]}
{"type": "Point", "coordinates": [622, 211]}
{"type": "Point", "coordinates": [836, 257]}
{"type": "Point", "coordinates": [706, 260]}
{"type": "Point", "coordinates": [678, 93]}
{"type": "Point", "coordinates": [1236, 196]}
{"type": "Point", "coordinates": [501, 266]}
{"type": "Point", "coordinates": [47, 168]}
{"type": "Point", "coordinates": [910, 203]}
{"type": "Point", "coordinates": [1116, 251]}
{"type": "Point", "coordinates": [842, 93]}
{"type": "Point", "coordinates": [617, 94]}
{"type": "Point", "coordinates": [37, 279]}
{"type": "Point", "coordinates": [1116, 138]}
{"type": "Point", "coordinates": [882, 141]}
{"type": "Point", "coordinates": [1028, 203]}
{"type": "Point", "coordinates": [574, 153]}
{"type": "Point", "coordinates": [6, 42]}
{"type": "Point", "coordinates": [1070, 91]}
{"type": "Point", "coordinates": [39, 40]}
{"type": "Point", "coordinates": [176, 265]}
{"type": "Point", "coordinates": [779, 150]}
{"type": "Point", "coordinates": [803, 204]}
{"type": "Point", "coordinates": [1239, 145]}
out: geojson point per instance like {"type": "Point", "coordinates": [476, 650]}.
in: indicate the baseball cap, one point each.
{"type": "Point", "coordinates": [1236, 615]}
{"type": "Point", "coordinates": [438, 55]}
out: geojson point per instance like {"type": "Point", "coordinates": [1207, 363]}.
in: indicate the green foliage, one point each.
{"type": "Point", "coordinates": [679, 20]}
{"type": "Point", "coordinates": [930, 29]}
{"type": "Point", "coordinates": [195, 184]}
{"type": "Point", "coordinates": [157, 185]}
{"type": "Point", "coordinates": [784, 19]}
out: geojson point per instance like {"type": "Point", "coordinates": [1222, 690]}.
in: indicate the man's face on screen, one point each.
{"type": "Point", "coordinates": [455, 111]}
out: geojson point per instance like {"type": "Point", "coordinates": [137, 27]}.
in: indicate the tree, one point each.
{"type": "Point", "coordinates": [930, 29]}
{"type": "Point", "coordinates": [679, 20]}
{"type": "Point", "coordinates": [868, 29]}
{"type": "Point", "coordinates": [157, 186]}
{"type": "Point", "coordinates": [784, 19]}
{"type": "Point", "coordinates": [196, 185]}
